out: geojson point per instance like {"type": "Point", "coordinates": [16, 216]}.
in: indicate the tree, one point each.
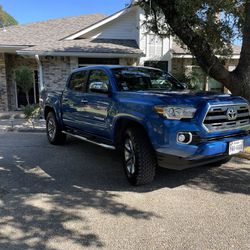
{"type": "Point", "coordinates": [24, 79]}
{"type": "Point", "coordinates": [6, 19]}
{"type": "Point", "coordinates": [207, 28]}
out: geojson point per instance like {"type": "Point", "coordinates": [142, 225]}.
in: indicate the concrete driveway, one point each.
{"type": "Point", "coordinates": [76, 197]}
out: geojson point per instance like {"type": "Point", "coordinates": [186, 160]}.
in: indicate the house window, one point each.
{"type": "Point", "coordinates": [155, 46]}
{"type": "Point", "coordinates": [200, 81]}
{"type": "Point", "coordinates": [82, 62]}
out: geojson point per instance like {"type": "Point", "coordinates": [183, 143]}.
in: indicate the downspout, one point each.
{"type": "Point", "coordinates": [41, 81]}
{"type": "Point", "coordinates": [40, 67]}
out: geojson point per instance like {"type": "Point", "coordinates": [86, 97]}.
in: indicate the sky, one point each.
{"type": "Point", "coordinates": [26, 11]}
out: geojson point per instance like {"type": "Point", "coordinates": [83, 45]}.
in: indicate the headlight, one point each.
{"type": "Point", "coordinates": [175, 112]}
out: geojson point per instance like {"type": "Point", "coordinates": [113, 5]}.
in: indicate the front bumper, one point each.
{"type": "Point", "coordinates": [183, 156]}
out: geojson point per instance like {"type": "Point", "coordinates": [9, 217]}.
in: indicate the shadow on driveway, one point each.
{"type": "Point", "coordinates": [43, 190]}
{"type": "Point", "coordinates": [89, 166]}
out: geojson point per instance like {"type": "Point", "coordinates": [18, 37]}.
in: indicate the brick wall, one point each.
{"type": "Point", "coordinates": [56, 71]}
{"type": "Point", "coordinates": [3, 85]}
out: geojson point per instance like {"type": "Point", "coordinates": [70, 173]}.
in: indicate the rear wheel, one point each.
{"type": "Point", "coordinates": [139, 159]}
{"type": "Point", "coordinates": [54, 132]}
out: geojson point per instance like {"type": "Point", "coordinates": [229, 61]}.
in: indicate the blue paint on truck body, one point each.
{"type": "Point", "coordinates": [100, 114]}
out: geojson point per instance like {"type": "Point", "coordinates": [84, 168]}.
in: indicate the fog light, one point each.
{"type": "Point", "coordinates": [181, 138]}
{"type": "Point", "coordinates": [184, 137]}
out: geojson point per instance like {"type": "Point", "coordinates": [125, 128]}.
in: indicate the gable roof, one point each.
{"type": "Point", "coordinates": [98, 24]}
{"type": "Point", "coordinates": [51, 30]}
{"type": "Point", "coordinates": [48, 38]}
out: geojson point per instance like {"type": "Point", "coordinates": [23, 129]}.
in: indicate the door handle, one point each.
{"type": "Point", "coordinates": [84, 101]}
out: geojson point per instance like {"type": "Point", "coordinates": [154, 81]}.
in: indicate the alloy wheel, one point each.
{"type": "Point", "coordinates": [129, 153]}
{"type": "Point", "coordinates": [51, 128]}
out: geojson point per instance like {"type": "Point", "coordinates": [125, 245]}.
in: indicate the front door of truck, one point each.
{"type": "Point", "coordinates": [98, 103]}
{"type": "Point", "coordinates": [74, 102]}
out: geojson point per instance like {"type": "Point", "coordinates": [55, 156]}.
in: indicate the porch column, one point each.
{"type": "Point", "coordinates": [3, 85]}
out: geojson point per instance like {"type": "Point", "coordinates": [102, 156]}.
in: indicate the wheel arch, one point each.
{"type": "Point", "coordinates": [123, 123]}
{"type": "Point", "coordinates": [49, 109]}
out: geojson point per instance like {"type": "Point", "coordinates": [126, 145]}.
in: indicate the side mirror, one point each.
{"type": "Point", "coordinates": [99, 87]}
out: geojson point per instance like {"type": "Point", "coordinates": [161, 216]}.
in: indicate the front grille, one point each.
{"type": "Point", "coordinates": [228, 117]}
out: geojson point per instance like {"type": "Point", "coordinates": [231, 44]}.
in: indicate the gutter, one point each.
{"type": "Point", "coordinates": [79, 54]}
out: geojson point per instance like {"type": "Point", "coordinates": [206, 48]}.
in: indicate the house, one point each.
{"type": "Point", "coordinates": [53, 48]}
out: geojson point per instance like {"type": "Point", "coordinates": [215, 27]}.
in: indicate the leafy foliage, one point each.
{"type": "Point", "coordinates": [24, 79]}
{"type": "Point", "coordinates": [6, 19]}
{"type": "Point", "coordinates": [31, 111]}
{"type": "Point", "coordinates": [220, 22]}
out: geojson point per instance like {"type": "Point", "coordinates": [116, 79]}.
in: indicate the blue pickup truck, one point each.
{"type": "Point", "coordinates": [150, 117]}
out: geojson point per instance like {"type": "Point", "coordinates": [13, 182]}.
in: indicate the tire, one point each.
{"type": "Point", "coordinates": [54, 132]}
{"type": "Point", "coordinates": [139, 160]}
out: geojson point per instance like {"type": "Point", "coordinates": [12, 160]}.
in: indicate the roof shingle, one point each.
{"type": "Point", "coordinates": [177, 49]}
{"type": "Point", "coordinates": [86, 46]}
{"type": "Point", "coordinates": [47, 31]}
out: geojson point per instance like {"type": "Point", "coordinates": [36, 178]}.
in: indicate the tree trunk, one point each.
{"type": "Point", "coordinates": [27, 97]}
{"type": "Point", "coordinates": [237, 81]}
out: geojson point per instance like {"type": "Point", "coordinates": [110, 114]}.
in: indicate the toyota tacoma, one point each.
{"type": "Point", "coordinates": [150, 117]}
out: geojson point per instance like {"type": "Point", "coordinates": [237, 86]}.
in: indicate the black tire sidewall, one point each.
{"type": "Point", "coordinates": [145, 161]}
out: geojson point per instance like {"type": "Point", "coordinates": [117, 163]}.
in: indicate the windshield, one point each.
{"type": "Point", "coordinates": [136, 79]}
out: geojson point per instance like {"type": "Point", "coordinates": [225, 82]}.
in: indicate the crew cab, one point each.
{"type": "Point", "coordinates": [150, 117]}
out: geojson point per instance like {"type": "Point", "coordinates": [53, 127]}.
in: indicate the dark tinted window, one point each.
{"type": "Point", "coordinates": [78, 81]}
{"type": "Point", "coordinates": [97, 77]}
{"type": "Point", "coordinates": [139, 78]}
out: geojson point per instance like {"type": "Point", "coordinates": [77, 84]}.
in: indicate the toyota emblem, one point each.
{"type": "Point", "coordinates": [232, 114]}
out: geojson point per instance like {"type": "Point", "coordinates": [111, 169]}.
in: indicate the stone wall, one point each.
{"type": "Point", "coordinates": [3, 85]}
{"type": "Point", "coordinates": [12, 63]}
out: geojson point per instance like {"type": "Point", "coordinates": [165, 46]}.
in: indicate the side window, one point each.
{"type": "Point", "coordinates": [78, 81]}
{"type": "Point", "coordinates": [98, 79]}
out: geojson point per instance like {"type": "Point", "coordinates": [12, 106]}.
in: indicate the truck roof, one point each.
{"type": "Point", "coordinates": [111, 67]}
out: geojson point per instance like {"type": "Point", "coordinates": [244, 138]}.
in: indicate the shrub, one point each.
{"type": "Point", "coordinates": [31, 111]}
{"type": "Point", "coordinates": [24, 79]}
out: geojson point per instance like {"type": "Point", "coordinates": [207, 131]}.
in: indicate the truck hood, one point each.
{"type": "Point", "coordinates": [186, 97]}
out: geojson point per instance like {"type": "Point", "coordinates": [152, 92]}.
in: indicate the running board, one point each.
{"type": "Point", "coordinates": [87, 140]}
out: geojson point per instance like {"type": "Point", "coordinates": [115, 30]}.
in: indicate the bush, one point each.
{"type": "Point", "coordinates": [31, 111]}
{"type": "Point", "coordinates": [25, 80]}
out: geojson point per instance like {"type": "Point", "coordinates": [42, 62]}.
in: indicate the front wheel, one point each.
{"type": "Point", "coordinates": [139, 158]}
{"type": "Point", "coordinates": [54, 133]}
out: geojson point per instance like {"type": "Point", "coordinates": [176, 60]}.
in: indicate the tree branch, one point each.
{"type": "Point", "coordinates": [198, 45]}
